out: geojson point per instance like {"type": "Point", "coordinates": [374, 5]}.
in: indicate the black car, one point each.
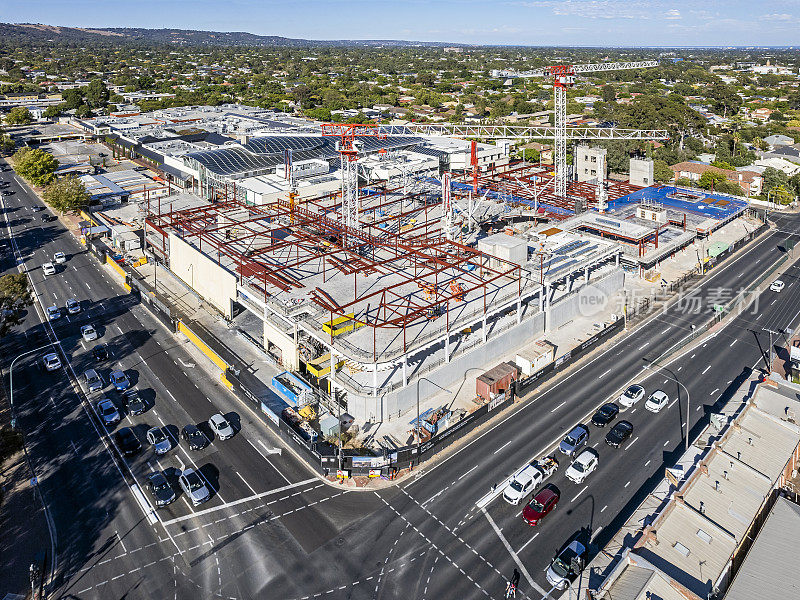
{"type": "Point", "coordinates": [194, 437]}
{"type": "Point", "coordinates": [100, 352]}
{"type": "Point", "coordinates": [619, 433]}
{"type": "Point", "coordinates": [606, 414]}
{"type": "Point", "coordinates": [48, 217]}
{"type": "Point", "coordinates": [160, 489]}
{"type": "Point", "coordinates": [37, 208]}
{"type": "Point", "coordinates": [127, 442]}
{"type": "Point", "coordinates": [134, 403]}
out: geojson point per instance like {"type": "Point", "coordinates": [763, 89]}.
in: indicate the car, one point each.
{"type": "Point", "coordinates": [134, 403]}
{"type": "Point", "coordinates": [541, 504]}
{"type": "Point", "coordinates": [93, 380]}
{"type": "Point", "coordinates": [119, 380]}
{"type": "Point", "coordinates": [53, 312]}
{"type": "Point", "coordinates": [46, 217]}
{"type": "Point", "coordinates": [606, 414]}
{"type": "Point", "coordinates": [194, 486]}
{"type": "Point", "coordinates": [631, 396]}
{"type": "Point", "coordinates": [59, 258]}
{"type": "Point", "coordinates": [88, 333]}
{"type": "Point", "coordinates": [37, 208]}
{"type": "Point", "coordinates": [159, 440]}
{"type": "Point", "coordinates": [51, 361]}
{"type": "Point", "coordinates": [567, 565]}
{"type": "Point", "coordinates": [108, 412]}
{"type": "Point", "coordinates": [7, 192]}
{"type": "Point", "coordinates": [657, 401]}
{"type": "Point", "coordinates": [777, 286]}
{"type": "Point", "coordinates": [582, 466]}
{"type": "Point", "coordinates": [220, 426]}
{"type": "Point", "coordinates": [48, 268]}
{"type": "Point", "coordinates": [522, 484]}
{"type": "Point", "coordinates": [73, 306]}
{"type": "Point", "coordinates": [100, 352]}
{"type": "Point", "coordinates": [574, 440]}
{"type": "Point", "coordinates": [160, 489]}
{"type": "Point", "coordinates": [619, 433]}
{"type": "Point", "coordinates": [193, 437]}
{"type": "Point", "coordinates": [127, 442]}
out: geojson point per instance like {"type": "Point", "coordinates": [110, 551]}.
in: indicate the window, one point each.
{"type": "Point", "coordinates": [704, 536]}
{"type": "Point", "coordinates": [594, 159]}
{"type": "Point", "coordinates": [681, 548]}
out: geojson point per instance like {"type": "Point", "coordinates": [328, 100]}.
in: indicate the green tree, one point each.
{"type": "Point", "coordinates": [67, 194]}
{"type": "Point", "coordinates": [6, 144]}
{"type": "Point", "coordinates": [51, 112]}
{"type": "Point", "coordinates": [662, 172]}
{"type": "Point", "coordinates": [83, 111]}
{"type": "Point", "coordinates": [97, 93]}
{"type": "Point", "coordinates": [781, 194]}
{"type": "Point", "coordinates": [729, 187]}
{"type": "Point", "coordinates": [37, 166]}
{"type": "Point", "coordinates": [72, 98]}
{"type": "Point", "coordinates": [773, 178]}
{"type": "Point", "coordinates": [14, 296]}
{"type": "Point", "coordinates": [721, 164]}
{"type": "Point", "coordinates": [608, 93]}
{"type": "Point", "coordinates": [711, 179]}
{"type": "Point", "coordinates": [19, 115]}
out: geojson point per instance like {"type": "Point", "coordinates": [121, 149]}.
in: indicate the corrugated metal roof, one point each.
{"type": "Point", "coordinates": [771, 570]}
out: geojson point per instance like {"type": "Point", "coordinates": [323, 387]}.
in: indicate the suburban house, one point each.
{"type": "Point", "coordinates": [749, 181]}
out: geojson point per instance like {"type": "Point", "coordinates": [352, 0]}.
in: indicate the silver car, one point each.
{"type": "Point", "coordinates": [158, 440]}
{"type": "Point", "coordinates": [194, 486]}
{"type": "Point", "coordinates": [93, 380]}
{"type": "Point", "coordinates": [108, 412]}
{"type": "Point", "coordinates": [221, 427]}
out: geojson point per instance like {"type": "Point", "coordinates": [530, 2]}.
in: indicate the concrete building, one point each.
{"type": "Point", "coordinates": [591, 163]}
{"type": "Point", "coordinates": [641, 172]}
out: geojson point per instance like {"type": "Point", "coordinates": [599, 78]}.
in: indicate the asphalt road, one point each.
{"type": "Point", "coordinates": [271, 529]}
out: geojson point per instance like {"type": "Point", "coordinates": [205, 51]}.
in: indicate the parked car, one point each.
{"type": "Point", "coordinates": [108, 412]}
{"type": "Point", "coordinates": [93, 380]}
{"type": "Point", "coordinates": [194, 486]}
{"type": "Point", "coordinates": [582, 466]}
{"type": "Point", "coordinates": [657, 401]}
{"type": "Point", "coordinates": [574, 440]}
{"type": "Point", "coordinates": [48, 268]}
{"type": "Point", "coordinates": [59, 258]}
{"type": "Point", "coordinates": [565, 567]}
{"type": "Point", "coordinates": [777, 286]}
{"type": "Point", "coordinates": [100, 352]}
{"type": "Point", "coordinates": [160, 489]}
{"type": "Point", "coordinates": [541, 504]}
{"type": "Point", "coordinates": [619, 434]}
{"type": "Point", "coordinates": [522, 484]}
{"type": "Point", "coordinates": [134, 403]}
{"type": "Point", "coordinates": [221, 427]}
{"type": "Point", "coordinates": [159, 440]}
{"type": "Point", "coordinates": [606, 414]}
{"type": "Point", "coordinates": [119, 380]}
{"type": "Point", "coordinates": [631, 396]}
{"type": "Point", "coordinates": [88, 333]}
{"type": "Point", "coordinates": [193, 437]}
{"type": "Point", "coordinates": [53, 313]}
{"type": "Point", "coordinates": [51, 361]}
{"type": "Point", "coordinates": [73, 306]}
{"type": "Point", "coordinates": [127, 442]}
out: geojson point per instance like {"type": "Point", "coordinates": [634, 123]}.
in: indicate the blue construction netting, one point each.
{"type": "Point", "coordinates": [714, 206]}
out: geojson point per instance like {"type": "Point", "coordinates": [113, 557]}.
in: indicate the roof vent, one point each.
{"type": "Point", "coordinates": [681, 548]}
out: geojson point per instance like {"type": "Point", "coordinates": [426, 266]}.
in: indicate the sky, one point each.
{"type": "Point", "coordinates": [512, 22]}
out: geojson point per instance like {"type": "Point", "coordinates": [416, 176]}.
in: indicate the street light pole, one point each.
{"type": "Point", "coordinates": [771, 332]}
{"type": "Point", "coordinates": [688, 402]}
{"type": "Point", "coordinates": [11, 378]}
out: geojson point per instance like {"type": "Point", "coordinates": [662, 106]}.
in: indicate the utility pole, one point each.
{"type": "Point", "coordinates": [771, 333]}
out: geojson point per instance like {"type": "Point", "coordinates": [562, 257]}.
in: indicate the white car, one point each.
{"type": "Point", "coordinates": [53, 312]}
{"type": "Point", "coordinates": [657, 401]}
{"type": "Point", "coordinates": [59, 258]}
{"type": "Point", "coordinates": [88, 333]}
{"type": "Point", "coordinates": [51, 361]}
{"type": "Point", "coordinates": [777, 286]}
{"type": "Point", "coordinates": [582, 466]}
{"type": "Point", "coordinates": [631, 396]}
{"type": "Point", "coordinates": [221, 427]}
{"type": "Point", "coordinates": [194, 486]}
{"type": "Point", "coordinates": [48, 268]}
{"type": "Point", "coordinates": [522, 484]}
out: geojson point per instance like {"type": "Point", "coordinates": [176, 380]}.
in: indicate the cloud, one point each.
{"type": "Point", "coordinates": [777, 17]}
{"type": "Point", "coordinates": [673, 14]}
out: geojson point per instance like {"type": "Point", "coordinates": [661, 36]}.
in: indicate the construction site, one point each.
{"type": "Point", "coordinates": [365, 259]}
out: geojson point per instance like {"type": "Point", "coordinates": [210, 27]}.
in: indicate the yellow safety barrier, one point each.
{"type": "Point", "coordinates": [321, 366]}
{"type": "Point", "coordinates": [341, 325]}
{"type": "Point", "coordinates": [115, 267]}
{"type": "Point", "coordinates": [202, 346]}
{"type": "Point", "coordinates": [225, 381]}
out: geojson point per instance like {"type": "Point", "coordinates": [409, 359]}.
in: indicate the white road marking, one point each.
{"type": "Point", "coordinates": [633, 442]}
{"type": "Point", "coordinates": [245, 482]}
{"type": "Point", "coordinates": [604, 374]}
{"type": "Point", "coordinates": [286, 479]}
{"type": "Point", "coordinates": [605, 507]}
{"type": "Point", "coordinates": [559, 406]}
{"type": "Point", "coordinates": [643, 346]}
{"type": "Point", "coordinates": [715, 391]}
{"type": "Point", "coordinates": [665, 443]}
{"type": "Point", "coordinates": [666, 330]}
{"type": "Point", "coordinates": [501, 447]}
{"type": "Point", "coordinates": [513, 554]}
{"type": "Point", "coordinates": [579, 493]}
{"type": "Point", "coordinates": [647, 463]}
{"type": "Point", "coordinates": [733, 342]}
{"type": "Point", "coordinates": [705, 370]}
{"type": "Point", "coordinates": [528, 542]}
{"type": "Point", "coordinates": [467, 473]}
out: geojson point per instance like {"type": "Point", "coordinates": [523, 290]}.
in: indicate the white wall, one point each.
{"type": "Point", "coordinates": [214, 283]}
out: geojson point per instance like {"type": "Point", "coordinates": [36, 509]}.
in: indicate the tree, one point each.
{"type": "Point", "coordinates": [608, 93]}
{"type": "Point", "coordinates": [51, 112]}
{"type": "Point", "coordinates": [781, 194]}
{"type": "Point", "coordinates": [662, 172]}
{"type": "Point", "coordinates": [19, 115]}
{"type": "Point", "coordinates": [729, 187]}
{"type": "Point", "coordinates": [67, 195]}
{"type": "Point", "coordinates": [709, 180]}
{"type": "Point", "coordinates": [7, 145]}
{"type": "Point", "coordinates": [37, 166]}
{"type": "Point", "coordinates": [83, 111]}
{"type": "Point", "coordinates": [97, 93]}
{"type": "Point", "coordinates": [72, 98]}
{"type": "Point", "coordinates": [773, 178]}
{"type": "Point", "coordinates": [14, 296]}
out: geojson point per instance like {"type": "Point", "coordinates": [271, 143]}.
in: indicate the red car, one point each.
{"type": "Point", "coordinates": [541, 504]}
